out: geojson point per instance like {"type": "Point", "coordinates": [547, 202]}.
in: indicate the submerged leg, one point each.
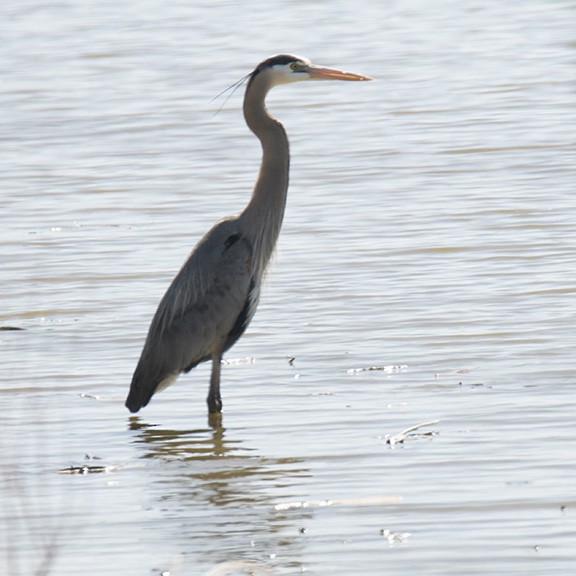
{"type": "Point", "coordinates": [214, 400]}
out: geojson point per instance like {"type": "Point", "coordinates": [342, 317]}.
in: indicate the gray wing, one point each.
{"type": "Point", "coordinates": [204, 311]}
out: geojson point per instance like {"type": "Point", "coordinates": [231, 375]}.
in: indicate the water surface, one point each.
{"type": "Point", "coordinates": [425, 272]}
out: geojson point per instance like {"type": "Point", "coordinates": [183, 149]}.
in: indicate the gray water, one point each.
{"type": "Point", "coordinates": [424, 275]}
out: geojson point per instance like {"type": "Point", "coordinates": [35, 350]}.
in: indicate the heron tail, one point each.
{"type": "Point", "coordinates": [141, 390]}
{"type": "Point", "coordinates": [144, 385]}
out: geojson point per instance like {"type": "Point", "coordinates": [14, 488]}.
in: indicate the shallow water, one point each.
{"type": "Point", "coordinates": [425, 272]}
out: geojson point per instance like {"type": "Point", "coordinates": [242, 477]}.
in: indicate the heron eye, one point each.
{"type": "Point", "coordinates": [295, 66]}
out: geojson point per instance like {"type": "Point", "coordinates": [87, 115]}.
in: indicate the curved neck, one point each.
{"type": "Point", "coordinates": [262, 218]}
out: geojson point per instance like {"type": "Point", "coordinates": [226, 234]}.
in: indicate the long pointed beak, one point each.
{"type": "Point", "coordinates": [320, 73]}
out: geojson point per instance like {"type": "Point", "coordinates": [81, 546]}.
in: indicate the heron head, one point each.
{"type": "Point", "coordinates": [287, 68]}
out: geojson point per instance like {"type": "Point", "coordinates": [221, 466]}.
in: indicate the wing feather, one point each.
{"type": "Point", "coordinates": [205, 310]}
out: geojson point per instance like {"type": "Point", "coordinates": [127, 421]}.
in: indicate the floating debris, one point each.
{"type": "Point", "coordinates": [239, 361]}
{"type": "Point", "coordinates": [89, 456]}
{"type": "Point", "coordinates": [88, 470]}
{"type": "Point", "coordinates": [91, 396]}
{"type": "Point", "coordinates": [367, 501]}
{"type": "Point", "coordinates": [303, 504]}
{"type": "Point", "coordinates": [10, 328]}
{"type": "Point", "coordinates": [394, 537]}
{"type": "Point", "coordinates": [389, 369]}
{"type": "Point", "coordinates": [401, 436]}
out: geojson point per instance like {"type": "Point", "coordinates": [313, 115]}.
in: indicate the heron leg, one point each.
{"type": "Point", "coordinates": [214, 400]}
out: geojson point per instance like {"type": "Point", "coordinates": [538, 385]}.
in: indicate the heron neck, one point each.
{"type": "Point", "coordinates": [262, 218]}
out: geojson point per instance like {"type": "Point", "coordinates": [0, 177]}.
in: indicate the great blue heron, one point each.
{"type": "Point", "coordinates": [214, 296]}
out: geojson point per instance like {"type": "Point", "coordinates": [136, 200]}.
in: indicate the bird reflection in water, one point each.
{"type": "Point", "coordinates": [219, 468]}
{"type": "Point", "coordinates": [183, 445]}
{"type": "Point", "coordinates": [220, 496]}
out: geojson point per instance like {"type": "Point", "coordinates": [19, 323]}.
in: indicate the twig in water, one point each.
{"type": "Point", "coordinates": [401, 436]}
